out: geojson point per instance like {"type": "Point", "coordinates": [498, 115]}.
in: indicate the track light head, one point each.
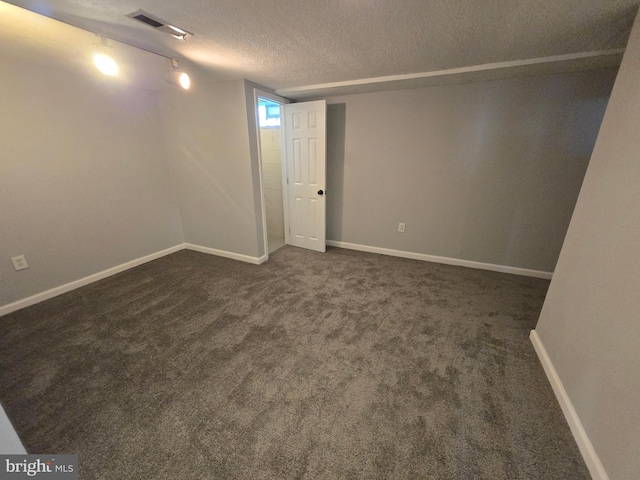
{"type": "Point", "coordinates": [105, 64]}
{"type": "Point", "coordinates": [103, 59]}
{"type": "Point", "coordinates": [185, 80]}
{"type": "Point", "coordinates": [179, 77]}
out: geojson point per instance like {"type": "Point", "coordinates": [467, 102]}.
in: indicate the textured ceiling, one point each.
{"type": "Point", "coordinates": [284, 44]}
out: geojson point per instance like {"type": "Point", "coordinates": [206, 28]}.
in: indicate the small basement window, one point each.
{"type": "Point", "coordinates": [268, 113]}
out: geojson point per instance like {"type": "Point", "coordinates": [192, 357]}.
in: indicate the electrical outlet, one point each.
{"type": "Point", "coordinates": [401, 227]}
{"type": "Point", "coordinates": [20, 263]}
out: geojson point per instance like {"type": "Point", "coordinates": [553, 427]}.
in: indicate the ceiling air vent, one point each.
{"type": "Point", "coordinates": [159, 24]}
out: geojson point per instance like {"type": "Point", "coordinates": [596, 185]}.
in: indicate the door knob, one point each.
{"type": "Point", "coordinates": [320, 192]}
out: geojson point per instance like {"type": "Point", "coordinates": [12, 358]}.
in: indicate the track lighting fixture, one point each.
{"type": "Point", "coordinates": [185, 80]}
{"type": "Point", "coordinates": [103, 59]}
{"type": "Point", "coordinates": [178, 77]}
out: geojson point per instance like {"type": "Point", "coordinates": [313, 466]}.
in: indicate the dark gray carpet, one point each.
{"type": "Point", "coordinates": [335, 365]}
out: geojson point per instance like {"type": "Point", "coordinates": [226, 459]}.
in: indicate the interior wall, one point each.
{"type": "Point", "coordinates": [254, 158]}
{"type": "Point", "coordinates": [487, 171]}
{"type": "Point", "coordinates": [206, 133]}
{"type": "Point", "coordinates": [589, 324]}
{"type": "Point", "coordinates": [270, 141]}
{"type": "Point", "coordinates": [84, 177]}
{"type": "Point", "coordinates": [10, 443]}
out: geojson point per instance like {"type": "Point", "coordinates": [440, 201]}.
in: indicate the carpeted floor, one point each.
{"type": "Point", "coordinates": [336, 365]}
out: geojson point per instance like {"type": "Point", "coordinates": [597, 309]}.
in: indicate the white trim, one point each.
{"type": "Point", "coordinates": [224, 253]}
{"type": "Point", "coordinates": [453, 71]}
{"type": "Point", "coordinates": [265, 240]}
{"type": "Point", "coordinates": [446, 260]}
{"type": "Point", "coordinates": [257, 94]}
{"type": "Point", "coordinates": [285, 173]}
{"type": "Point", "coordinates": [67, 287]}
{"type": "Point", "coordinates": [269, 96]}
{"type": "Point", "coordinates": [579, 434]}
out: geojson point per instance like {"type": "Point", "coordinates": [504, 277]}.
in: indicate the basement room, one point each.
{"type": "Point", "coordinates": [320, 240]}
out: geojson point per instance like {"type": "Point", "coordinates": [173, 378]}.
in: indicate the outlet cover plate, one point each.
{"type": "Point", "coordinates": [19, 263]}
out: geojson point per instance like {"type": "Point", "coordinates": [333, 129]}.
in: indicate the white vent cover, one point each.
{"type": "Point", "coordinates": [159, 24]}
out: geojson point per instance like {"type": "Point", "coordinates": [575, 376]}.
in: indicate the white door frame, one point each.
{"type": "Point", "coordinates": [257, 93]}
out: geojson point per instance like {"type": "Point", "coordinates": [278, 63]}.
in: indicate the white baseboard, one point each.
{"type": "Point", "coordinates": [579, 434]}
{"type": "Point", "coordinates": [445, 260]}
{"type": "Point", "coordinates": [224, 253]}
{"type": "Point", "coordinates": [67, 287]}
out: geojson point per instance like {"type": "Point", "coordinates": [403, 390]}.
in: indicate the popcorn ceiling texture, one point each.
{"type": "Point", "coordinates": [328, 365]}
{"type": "Point", "coordinates": [280, 43]}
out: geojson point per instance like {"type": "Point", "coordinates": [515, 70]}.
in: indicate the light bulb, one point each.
{"type": "Point", "coordinates": [185, 81]}
{"type": "Point", "coordinates": [105, 64]}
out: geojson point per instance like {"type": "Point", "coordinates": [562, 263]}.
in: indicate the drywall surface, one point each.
{"type": "Point", "coordinates": [254, 158]}
{"type": "Point", "coordinates": [10, 443]}
{"type": "Point", "coordinates": [270, 143]}
{"type": "Point", "coordinates": [487, 172]}
{"type": "Point", "coordinates": [590, 324]}
{"type": "Point", "coordinates": [84, 177]}
{"type": "Point", "coordinates": [207, 139]}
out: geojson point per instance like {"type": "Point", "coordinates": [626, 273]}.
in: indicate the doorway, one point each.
{"type": "Point", "coordinates": [272, 167]}
{"type": "Point", "coordinates": [292, 163]}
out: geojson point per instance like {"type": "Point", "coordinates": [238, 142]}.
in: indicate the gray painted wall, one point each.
{"type": "Point", "coordinates": [84, 177]}
{"type": "Point", "coordinates": [207, 137]}
{"type": "Point", "coordinates": [590, 322]}
{"type": "Point", "coordinates": [487, 172]}
{"type": "Point", "coordinates": [10, 443]}
{"type": "Point", "coordinates": [252, 131]}
{"type": "Point", "coordinates": [271, 150]}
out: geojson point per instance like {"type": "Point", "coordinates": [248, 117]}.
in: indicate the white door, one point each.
{"type": "Point", "coordinates": [305, 137]}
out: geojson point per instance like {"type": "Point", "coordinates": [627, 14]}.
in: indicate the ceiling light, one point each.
{"type": "Point", "coordinates": [185, 81]}
{"type": "Point", "coordinates": [105, 64]}
{"type": "Point", "coordinates": [179, 77]}
{"type": "Point", "coordinates": [103, 60]}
